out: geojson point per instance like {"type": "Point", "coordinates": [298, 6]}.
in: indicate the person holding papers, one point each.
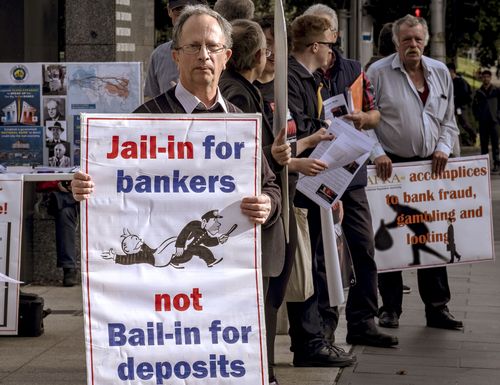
{"type": "Point", "coordinates": [247, 63]}
{"type": "Point", "coordinates": [337, 77]}
{"type": "Point", "coordinates": [415, 96]}
{"type": "Point", "coordinates": [311, 40]}
{"type": "Point", "coordinates": [201, 48]}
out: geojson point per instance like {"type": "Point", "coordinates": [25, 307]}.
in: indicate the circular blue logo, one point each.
{"type": "Point", "coordinates": [19, 73]}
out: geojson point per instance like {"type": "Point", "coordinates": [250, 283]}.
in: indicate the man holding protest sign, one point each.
{"type": "Point", "coordinates": [202, 46]}
{"type": "Point", "coordinates": [415, 96]}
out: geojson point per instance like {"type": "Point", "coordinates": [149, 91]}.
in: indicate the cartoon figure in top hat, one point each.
{"type": "Point", "coordinates": [196, 238]}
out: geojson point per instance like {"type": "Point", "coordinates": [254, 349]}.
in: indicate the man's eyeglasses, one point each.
{"type": "Point", "coordinates": [327, 43]}
{"type": "Point", "coordinates": [268, 52]}
{"type": "Point", "coordinates": [193, 49]}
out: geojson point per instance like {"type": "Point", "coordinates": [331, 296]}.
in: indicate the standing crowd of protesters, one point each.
{"type": "Point", "coordinates": [222, 61]}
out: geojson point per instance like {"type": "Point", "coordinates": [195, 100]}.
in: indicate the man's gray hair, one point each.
{"type": "Point", "coordinates": [198, 10]}
{"type": "Point", "coordinates": [410, 21]}
{"type": "Point", "coordinates": [235, 9]}
{"type": "Point", "coordinates": [325, 11]}
{"type": "Point", "coordinates": [248, 38]}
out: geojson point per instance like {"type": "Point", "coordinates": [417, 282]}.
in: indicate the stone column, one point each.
{"type": "Point", "coordinates": [109, 30]}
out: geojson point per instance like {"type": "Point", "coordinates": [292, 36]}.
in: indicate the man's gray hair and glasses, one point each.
{"type": "Point", "coordinates": [200, 10]}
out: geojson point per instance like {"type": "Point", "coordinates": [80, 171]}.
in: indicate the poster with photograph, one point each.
{"type": "Point", "coordinates": [54, 109]}
{"type": "Point", "coordinates": [11, 198]}
{"type": "Point", "coordinates": [167, 252]}
{"type": "Point", "coordinates": [54, 79]}
{"type": "Point", "coordinates": [423, 220]}
{"type": "Point", "coordinates": [54, 94]}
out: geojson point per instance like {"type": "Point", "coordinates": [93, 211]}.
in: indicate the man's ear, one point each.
{"type": "Point", "coordinates": [257, 56]}
{"type": "Point", "coordinates": [228, 54]}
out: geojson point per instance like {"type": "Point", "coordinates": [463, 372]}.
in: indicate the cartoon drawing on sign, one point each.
{"type": "Point", "coordinates": [194, 239]}
{"type": "Point", "coordinates": [136, 251]}
{"type": "Point", "coordinates": [414, 220]}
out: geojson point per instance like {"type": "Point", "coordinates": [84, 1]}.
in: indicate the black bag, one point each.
{"type": "Point", "coordinates": [31, 315]}
{"type": "Point", "coordinates": [383, 239]}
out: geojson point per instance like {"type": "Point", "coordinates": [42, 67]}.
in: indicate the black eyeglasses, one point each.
{"type": "Point", "coordinates": [193, 49]}
{"type": "Point", "coordinates": [328, 43]}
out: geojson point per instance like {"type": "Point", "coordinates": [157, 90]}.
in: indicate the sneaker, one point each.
{"type": "Point", "coordinates": [69, 278]}
{"type": "Point", "coordinates": [406, 289]}
{"type": "Point", "coordinates": [327, 356]}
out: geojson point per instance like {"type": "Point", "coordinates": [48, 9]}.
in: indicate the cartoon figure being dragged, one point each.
{"type": "Point", "coordinates": [136, 251]}
{"type": "Point", "coordinates": [196, 238]}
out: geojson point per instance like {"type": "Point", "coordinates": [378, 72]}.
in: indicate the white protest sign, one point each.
{"type": "Point", "coordinates": [421, 220]}
{"type": "Point", "coordinates": [171, 268]}
{"type": "Point", "coordinates": [11, 200]}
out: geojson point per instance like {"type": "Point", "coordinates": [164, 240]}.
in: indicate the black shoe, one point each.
{"type": "Point", "coordinates": [69, 279]}
{"type": "Point", "coordinates": [213, 263]}
{"type": "Point", "coordinates": [388, 319]}
{"type": "Point", "coordinates": [327, 357]}
{"type": "Point", "coordinates": [443, 320]}
{"type": "Point", "coordinates": [372, 338]}
{"type": "Point", "coordinates": [406, 289]}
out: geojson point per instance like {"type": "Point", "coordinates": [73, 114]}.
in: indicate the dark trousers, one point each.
{"type": "Point", "coordinates": [432, 282]}
{"type": "Point", "coordinates": [361, 307]}
{"type": "Point", "coordinates": [489, 132]}
{"type": "Point", "coordinates": [312, 320]}
{"type": "Point", "coordinates": [65, 210]}
{"type": "Point", "coordinates": [275, 290]}
{"type": "Point", "coordinates": [432, 286]}
{"type": "Point", "coordinates": [306, 328]}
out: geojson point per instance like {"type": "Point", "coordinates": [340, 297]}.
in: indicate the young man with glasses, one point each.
{"type": "Point", "coordinates": [311, 48]}
{"type": "Point", "coordinates": [361, 307]}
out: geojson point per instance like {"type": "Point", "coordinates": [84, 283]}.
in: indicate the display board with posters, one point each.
{"type": "Point", "coordinates": [171, 268]}
{"type": "Point", "coordinates": [425, 220]}
{"type": "Point", "coordinates": [11, 193]}
{"type": "Point", "coordinates": [40, 105]}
